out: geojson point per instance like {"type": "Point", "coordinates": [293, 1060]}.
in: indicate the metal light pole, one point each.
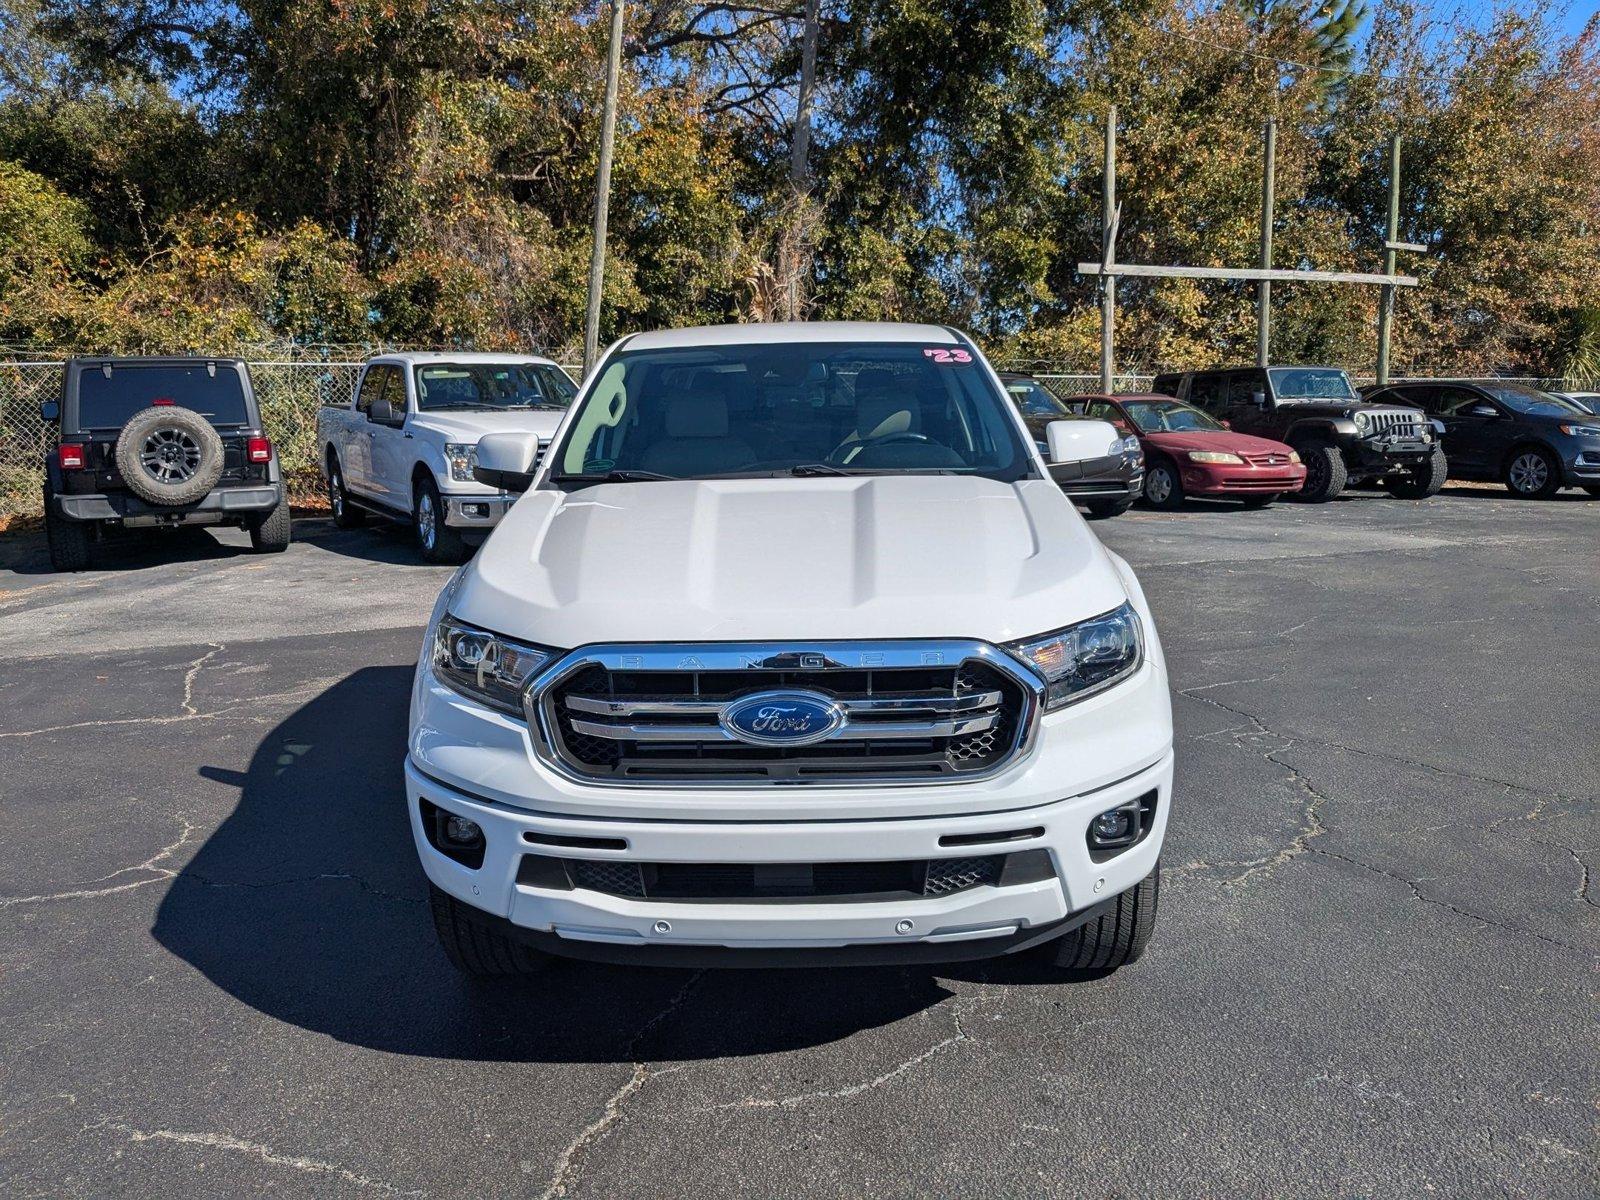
{"type": "Point", "coordinates": [602, 189]}
{"type": "Point", "coordinates": [1264, 287]}
{"type": "Point", "coordinates": [1108, 257]}
{"type": "Point", "coordinates": [1390, 245]}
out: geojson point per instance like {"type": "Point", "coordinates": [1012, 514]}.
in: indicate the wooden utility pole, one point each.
{"type": "Point", "coordinates": [1390, 245]}
{"type": "Point", "coordinates": [1264, 286]}
{"type": "Point", "coordinates": [602, 190]}
{"type": "Point", "coordinates": [1108, 257]}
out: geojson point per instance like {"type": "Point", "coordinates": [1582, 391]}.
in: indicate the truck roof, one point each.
{"type": "Point", "coordinates": [778, 332]}
{"type": "Point", "coordinates": [423, 357]}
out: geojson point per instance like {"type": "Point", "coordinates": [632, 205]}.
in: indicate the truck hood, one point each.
{"type": "Point", "coordinates": [462, 426]}
{"type": "Point", "coordinates": [788, 559]}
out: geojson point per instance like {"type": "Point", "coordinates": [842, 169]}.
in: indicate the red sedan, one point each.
{"type": "Point", "coordinates": [1188, 453]}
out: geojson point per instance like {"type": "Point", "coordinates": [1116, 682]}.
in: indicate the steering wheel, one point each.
{"type": "Point", "coordinates": [883, 439]}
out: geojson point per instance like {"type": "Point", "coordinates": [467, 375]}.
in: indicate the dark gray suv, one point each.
{"type": "Point", "coordinates": [1534, 442]}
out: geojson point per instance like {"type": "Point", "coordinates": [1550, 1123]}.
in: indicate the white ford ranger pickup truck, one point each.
{"type": "Point", "coordinates": [791, 652]}
{"type": "Point", "coordinates": [404, 447]}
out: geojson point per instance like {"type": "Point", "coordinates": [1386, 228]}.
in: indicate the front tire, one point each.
{"type": "Point", "coordinates": [270, 535]}
{"type": "Point", "coordinates": [1099, 510]}
{"type": "Point", "coordinates": [69, 540]}
{"type": "Point", "coordinates": [1163, 488]}
{"type": "Point", "coordinates": [1424, 481]}
{"type": "Point", "coordinates": [1119, 936]}
{"type": "Point", "coordinates": [1533, 474]}
{"type": "Point", "coordinates": [474, 946]}
{"type": "Point", "coordinates": [437, 541]}
{"type": "Point", "coordinates": [1325, 472]}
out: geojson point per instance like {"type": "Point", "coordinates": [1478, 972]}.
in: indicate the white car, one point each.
{"type": "Point", "coordinates": [791, 652]}
{"type": "Point", "coordinates": [405, 446]}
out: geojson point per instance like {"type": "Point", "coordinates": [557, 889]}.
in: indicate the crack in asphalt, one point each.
{"type": "Point", "coordinates": [295, 696]}
{"type": "Point", "coordinates": [193, 673]}
{"type": "Point", "coordinates": [234, 1145]}
{"type": "Point", "coordinates": [321, 877]}
{"type": "Point", "coordinates": [1418, 894]}
{"type": "Point", "coordinates": [960, 1037]}
{"type": "Point", "coordinates": [1368, 752]}
{"type": "Point", "coordinates": [88, 891]}
{"type": "Point", "coordinates": [569, 1163]}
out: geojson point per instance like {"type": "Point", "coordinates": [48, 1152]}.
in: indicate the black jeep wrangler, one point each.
{"type": "Point", "coordinates": [155, 443]}
{"type": "Point", "coordinates": [1342, 438]}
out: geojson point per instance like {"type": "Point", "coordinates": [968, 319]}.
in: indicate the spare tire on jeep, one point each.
{"type": "Point", "coordinates": [169, 455]}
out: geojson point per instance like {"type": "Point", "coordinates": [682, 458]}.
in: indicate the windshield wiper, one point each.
{"type": "Point", "coordinates": [614, 477]}
{"type": "Point", "coordinates": [817, 468]}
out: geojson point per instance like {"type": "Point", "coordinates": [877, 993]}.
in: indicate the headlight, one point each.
{"type": "Point", "coordinates": [1085, 658]}
{"type": "Point", "coordinates": [484, 665]}
{"type": "Point", "coordinates": [1215, 456]}
{"type": "Point", "coordinates": [462, 457]}
{"type": "Point", "coordinates": [1125, 445]}
{"type": "Point", "coordinates": [1294, 456]}
{"type": "Point", "coordinates": [1362, 420]}
{"type": "Point", "coordinates": [1581, 430]}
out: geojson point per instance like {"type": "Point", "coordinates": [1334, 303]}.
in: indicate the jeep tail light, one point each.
{"type": "Point", "coordinates": [71, 457]}
{"type": "Point", "coordinates": [258, 449]}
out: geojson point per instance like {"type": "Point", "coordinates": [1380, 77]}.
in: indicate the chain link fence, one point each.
{"type": "Point", "coordinates": [291, 392]}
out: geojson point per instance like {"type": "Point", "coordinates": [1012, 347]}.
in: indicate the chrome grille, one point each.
{"type": "Point", "coordinates": [637, 715]}
{"type": "Point", "coordinates": [1392, 422]}
{"type": "Point", "coordinates": [1273, 459]}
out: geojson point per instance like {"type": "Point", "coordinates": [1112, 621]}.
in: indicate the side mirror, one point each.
{"type": "Point", "coordinates": [1226, 424]}
{"type": "Point", "coordinates": [1079, 441]}
{"type": "Point", "coordinates": [1259, 399]}
{"type": "Point", "coordinates": [382, 412]}
{"type": "Point", "coordinates": [1482, 409]}
{"type": "Point", "coordinates": [50, 410]}
{"type": "Point", "coordinates": [507, 460]}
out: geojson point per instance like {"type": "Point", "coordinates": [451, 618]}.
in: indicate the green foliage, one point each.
{"type": "Point", "coordinates": [178, 174]}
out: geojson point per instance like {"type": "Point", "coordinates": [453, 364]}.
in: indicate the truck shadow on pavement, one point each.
{"type": "Point", "coordinates": [307, 903]}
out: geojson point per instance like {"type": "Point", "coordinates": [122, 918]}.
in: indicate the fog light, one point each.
{"type": "Point", "coordinates": [461, 831]}
{"type": "Point", "coordinates": [476, 510]}
{"type": "Point", "coordinates": [1116, 827]}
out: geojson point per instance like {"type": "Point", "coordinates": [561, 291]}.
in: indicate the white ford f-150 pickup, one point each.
{"type": "Point", "coordinates": [405, 446]}
{"type": "Point", "coordinates": [791, 651]}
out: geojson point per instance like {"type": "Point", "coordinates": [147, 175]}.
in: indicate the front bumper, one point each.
{"type": "Point", "coordinates": [1582, 468]}
{"type": "Point", "coordinates": [219, 505]}
{"type": "Point", "coordinates": [1211, 479]}
{"type": "Point", "coordinates": [1100, 478]}
{"type": "Point", "coordinates": [476, 511]}
{"type": "Point", "coordinates": [1383, 454]}
{"type": "Point", "coordinates": [977, 922]}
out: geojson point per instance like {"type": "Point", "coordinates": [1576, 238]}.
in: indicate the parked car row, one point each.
{"type": "Point", "coordinates": [169, 442]}
{"type": "Point", "coordinates": [1257, 433]}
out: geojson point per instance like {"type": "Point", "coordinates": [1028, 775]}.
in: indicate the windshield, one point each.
{"type": "Point", "coordinates": [1532, 402]}
{"type": "Point", "coordinates": [1310, 383]}
{"type": "Point", "coordinates": [108, 396]}
{"type": "Point", "coordinates": [492, 385]}
{"type": "Point", "coordinates": [1034, 399]}
{"type": "Point", "coordinates": [819, 408]}
{"type": "Point", "coordinates": [1166, 416]}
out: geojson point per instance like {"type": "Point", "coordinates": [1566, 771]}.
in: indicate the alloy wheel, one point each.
{"type": "Point", "coordinates": [1529, 472]}
{"type": "Point", "coordinates": [427, 520]}
{"type": "Point", "coordinates": [170, 456]}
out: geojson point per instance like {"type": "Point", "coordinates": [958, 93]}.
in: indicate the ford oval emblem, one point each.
{"type": "Point", "coordinates": [782, 718]}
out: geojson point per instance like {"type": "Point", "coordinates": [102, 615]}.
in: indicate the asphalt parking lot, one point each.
{"type": "Point", "coordinates": [1374, 972]}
